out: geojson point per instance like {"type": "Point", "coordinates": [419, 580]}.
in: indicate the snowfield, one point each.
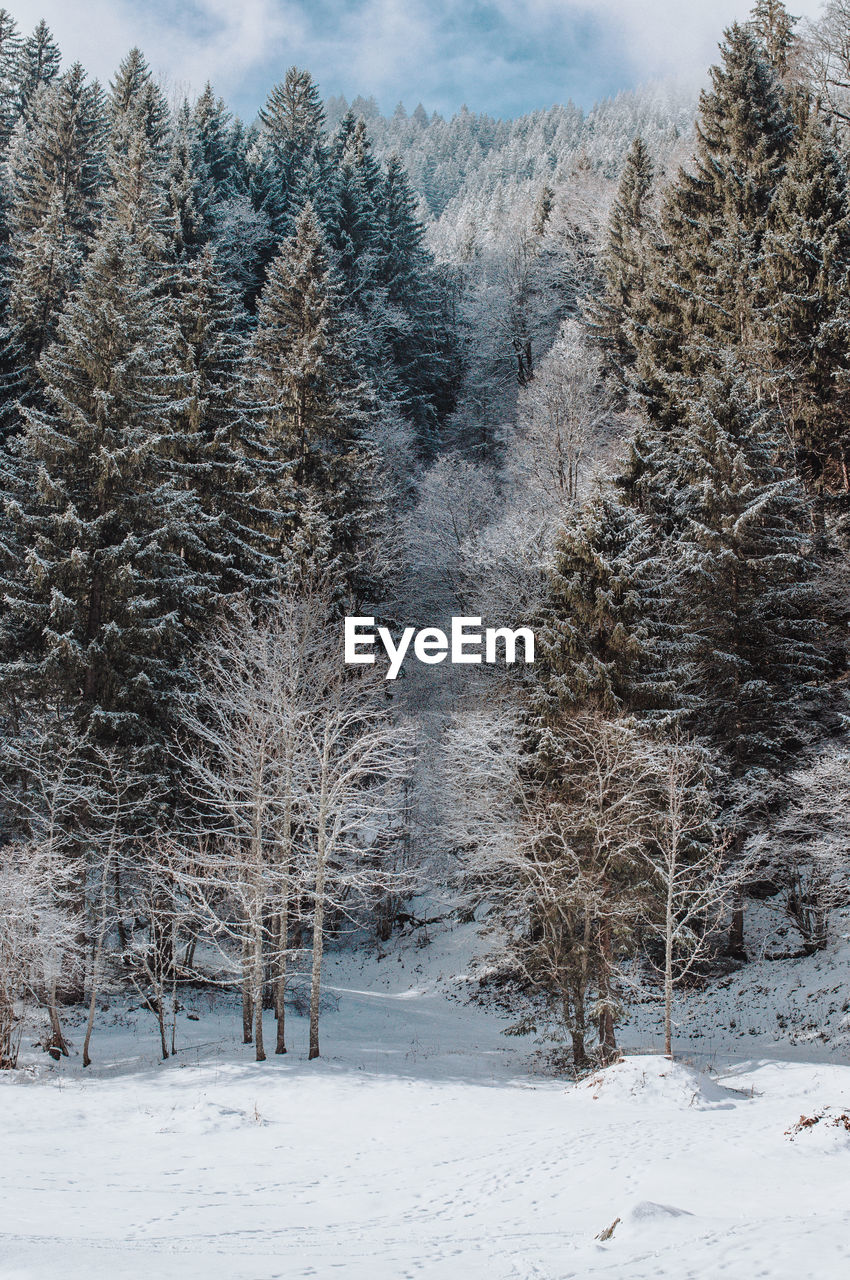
{"type": "Point", "coordinates": [421, 1145]}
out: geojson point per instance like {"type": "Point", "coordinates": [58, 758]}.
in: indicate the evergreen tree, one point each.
{"type": "Point", "coordinates": [738, 529]}
{"type": "Point", "coordinates": [220, 448]}
{"type": "Point", "coordinates": [139, 110]}
{"type": "Point", "coordinates": [38, 63]}
{"type": "Point", "coordinates": [771, 22]}
{"type": "Point", "coordinates": [628, 251]}
{"type": "Point", "coordinates": [606, 642]}
{"type": "Point", "coordinates": [217, 141]}
{"type": "Point", "coordinates": [10, 45]}
{"type": "Point", "coordinates": [714, 220]}
{"type": "Point", "coordinates": [107, 601]}
{"type": "Point", "coordinates": [317, 406]}
{"type": "Point", "coordinates": [190, 188]}
{"type": "Point", "coordinates": [57, 171]}
{"type": "Point", "coordinates": [806, 317]}
{"type": "Point", "coordinates": [138, 157]}
{"type": "Point", "coordinates": [418, 331]}
{"type": "Point", "coordinates": [294, 167]}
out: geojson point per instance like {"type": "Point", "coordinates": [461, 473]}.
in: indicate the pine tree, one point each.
{"type": "Point", "coordinates": [317, 406]}
{"type": "Point", "coordinates": [738, 527]}
{"type": "Point", "coordinates": [190, 188]}
{"type": "Point", "coordinates": [38, 63]}
{"type": "Point", "coordinates": [219, 445]}
{"type": "Point", "coordinates": [714, 220]}
{"type": "Point", "coordinates": [771, 22]}
{"type": "Point", "coordinates": [606, 642]}
{"type": "Point", "coordinates": [108, 599]}
{"type": "Point", "coordinates": [139, 113]}
{"type": "Point", "coordinates": [57, 172]}
{"type": "Point", "coordinates": [628, 251]}
{"type": "Point", "coordinates": [10, 45]}
{"type": "Point", "coordinates": [294, 169]}
{"type": "Point", "coordinates": [417, 329]}
{"type": "Point", "coordinates": [138, 157]}
{"type": "Point", "coordinates": [218, 142]}
{"type": "Point", "coordinates": [805, 283]}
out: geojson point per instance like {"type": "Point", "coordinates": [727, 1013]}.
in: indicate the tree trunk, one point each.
{"type": "Point", "coordinates": [57, 1047]}
{"type": "Point", "coordinates": [318, 920]}
{"type": "Point", "coordinates": [668, 967]}
{"type": "Point", "coordinates": [160, 1017]}
{"type": "Point", "coordinates": [96, 958]}
{"type": "Point", "coordinates": [280, 990]}
{"type": "Point", "coordinates": [247, 1001]}
{"type": "Point", "coordinates": [607, 1038]}
{"type": "Point", "coordinates": [736, 946]}
{"type": "Point", "coordinates": [259, 976]}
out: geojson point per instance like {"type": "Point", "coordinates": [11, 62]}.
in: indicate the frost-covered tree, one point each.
{"type": "Point", "coordinates": [292, 168]}
{"type": "Point", "coordinates": [57, 173]}
{"type": "Point", "coordinates": [10, 43]}
{"type": "Point", "coordinates": [626, 261]}
{"type": "Point", "coordinates": [316, 405]}
{"type": "Point", "coordinates": [37, 63]}
{"type": "Point", "coordinates": [714, 220]}
{"type": "Point", "coordinates": [108, 597]}
{"type": "Point", "coordinates": [807, 323]}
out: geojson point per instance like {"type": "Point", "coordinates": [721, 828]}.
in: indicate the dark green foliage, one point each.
{"type": "Point", "coordinates": [737, 527]}
{"type": "Point", "coordinates": [806, 292]}
{"type": "Point", "coordinates": [714, 219]}
{"type": "Point", "coordinates": [109, 596]}
{"type": "Point", "coordinates": [626, 264]}
{"type": "Point", "coordinates": [604, 645]}
{"type": "Point", "coordinates": [294, 167]}
{"type": "Point", "coordinates": [57, 167]}
{"type": "Point", "coordinates": [10, 44]}
{"type": "Point", "coordinates": [317, 409]}
{"type": "Point", "coordinates": [37, 63]}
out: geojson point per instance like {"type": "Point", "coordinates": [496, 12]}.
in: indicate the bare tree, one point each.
{"type": "Point", "coordinates": [809, 845]}
{"type": "Point", "coordinates": [824, 58]}
{"type": "Point", "coordinates": [560, 865]}
{"type": "Point", "coordinates": [291, 764]}
{"type": "Point", "coordinates": [565, 414]}
{"type": "Point", "coordinates": [358, 759]}
{"type": "Point", "coordinates": [685, 857]}
{"type": "Point", "coordinates": [38, 936]}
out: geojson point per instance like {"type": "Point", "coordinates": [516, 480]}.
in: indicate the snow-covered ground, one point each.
{"type": "Point", "coordinates": [421, 1144]}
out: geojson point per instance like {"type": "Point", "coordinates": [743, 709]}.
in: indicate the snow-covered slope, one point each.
{"type": "Point", "coordinates": [419, 1145]}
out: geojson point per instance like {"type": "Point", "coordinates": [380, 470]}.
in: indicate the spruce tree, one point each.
{"type": "Point", "coordinates": [738, 528]}
{"type": "Point", "coordinates": [38, 63]}
{"type": "Point", "coordinates": [295, 163]}
{"type": "Point", "coordinates": [217, 141]}
{"type": "Point", "coordinates": [109, 597]}
{"type": "Point", "coordinates": [140, 118]}
{"type": "Point", "coordinates": [219, 445]}
{"type": "Point", "coordinates": [317, 407]}
{"type": "Point", "coordinates": [772, 24]}
{"type": "Point", "coordinates": [606, 641]}
{"type": "Point", "coordinates": [57, 174]}
{"type": "Point", "coordinates": [10, 45]}
{"type": "Point", "coordinates": [714, 220]}
{"type": "Point", "coordinates": [805, 281]}
{"type": "Point", "coordinates": [190, 188]}
{"type": "Point", "coordinates": [621, 310]}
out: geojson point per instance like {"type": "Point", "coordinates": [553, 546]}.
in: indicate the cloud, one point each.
{"type": "Point", "coordinates": [502, 56]}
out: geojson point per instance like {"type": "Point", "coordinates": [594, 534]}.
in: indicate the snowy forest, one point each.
{"type": "Point", "coordinates": [496, 932]}
{"type": "Point", "coordinates": [583, 371]}
{"type": "Point", "coordinates": [588, 372]}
